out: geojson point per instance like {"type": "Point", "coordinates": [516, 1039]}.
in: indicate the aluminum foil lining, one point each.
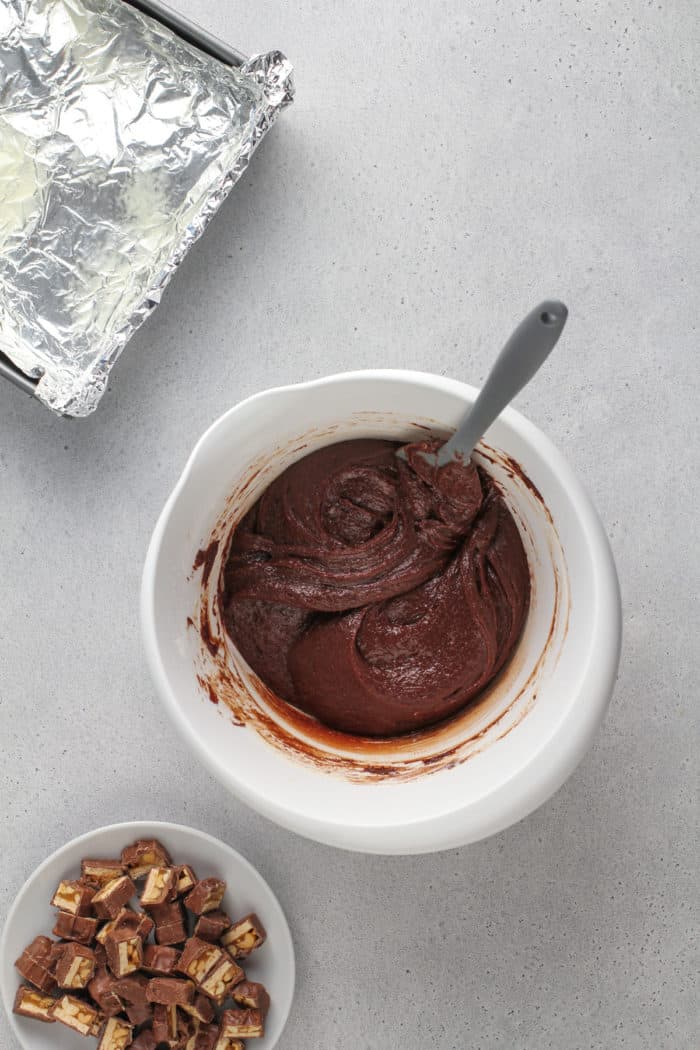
{"type": "Point", "coordinates": [118, 142]}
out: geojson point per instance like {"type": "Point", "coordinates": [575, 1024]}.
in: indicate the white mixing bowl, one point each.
{"type": "Point", "coordinates": [466, 779]}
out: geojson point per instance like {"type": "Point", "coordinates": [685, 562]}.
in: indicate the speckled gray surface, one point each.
{"type": "Point", "coordinates": [444, 166]}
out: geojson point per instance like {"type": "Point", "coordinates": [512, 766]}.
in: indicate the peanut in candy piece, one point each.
{"type": "Point", "coordinates": [31, 1003]}
{"type": "Point", "coordinates": [73, 896]}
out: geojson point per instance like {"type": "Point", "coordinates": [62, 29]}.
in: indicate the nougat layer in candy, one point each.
{"type": "Point", "coordinates": [244, 936]}
{"type": "Point", "coordinates": [186, 879]}
{"type": "Point", "coordinates": [80, 928]}
{"type": "Point", "coordinates": [76, 1014]}
{"type": "Point", "coordinates": [76, 966]}
{"type": "Point", "coordinates": [74, 897]}
{"type": "Point", "coordinates": [116, 1035]}
{"type": "Point", "coordinates": [124, 952]}
{"type": "Point", "coordinates": [109, 901]}
{"type": "Point", "coordinates": [160, 886]}
{"type": "Point", "coordinates": [31, 1003]}
{"type": "Point", "coordinates": [242, 1024]}
{"type": "Point", "coordinates": [206, 896]}
{"type": "Point", "coordinates": [100, 872]}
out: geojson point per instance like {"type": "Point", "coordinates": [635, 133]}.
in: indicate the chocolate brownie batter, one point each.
{"type": "Point", "coordinates": [378, 594]}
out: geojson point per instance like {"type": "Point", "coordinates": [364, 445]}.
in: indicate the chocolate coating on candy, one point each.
{"type": "Point", "coordinates": [34, 964]}
{"type": "Point", "coordinates": [100, 872]}
{"type": "Point", "coordinates": [160, 959]}
{"type": "Point", "coordinates": [80, 928]}
{"type": "Point", "coordinates": [124, 952]}
{"type": "Point", "coordinates": [116, 1035]}
{"type": "Point", "coordinates": [206, 896]}
{"type": "Point", "coordinates": [31, 1003]}
{"type": "Point", "coordinates": [244, 936]}
{"type": "Point", "coordinates": [211, 926]}
{"type": "Point", "coordinates": [111, 898]}
{"type": "Point", "coordinates": [378, 595]}
{"type": "Point", "coordinates": [170, 923]}
{"type": "Point", "coordinates": [143, 855]}
{"type": "Point", "coordinates": [76, 1014]}
{"type": "Point", "coordinates": [74, 897]}
{"type": "Point", "coordinates": [252, 995]}
{"type": "Point", "coordinates": [242, 1024]}
{"type": "Point", "coordinates": [102, 990]}
{"type": "Point", "coordinates": [145, 1040]}
{"type": "Point", "coordinates": [170, 991]}
{"type": "Point", "coordinates": [76, 966]}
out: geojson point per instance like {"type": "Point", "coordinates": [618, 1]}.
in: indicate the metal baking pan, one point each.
{"type": "Point", "coordinates": [193, 34]}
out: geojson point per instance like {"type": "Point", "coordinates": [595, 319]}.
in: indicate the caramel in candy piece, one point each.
{"type": "Point", "coordinates": [170, 923]}
{"type": "Point", "coordinates": [218, 983]}
{"type": "Point", "coordinates": [227, 1043]}
{"type": "Point", "coordinates": [170, 991]}
{"type": "Point", "coordinates": [165, 1023]}
{"type": "Point", "coordinates": [210, 927]}
{"type": "Point", "coordinates": [144, 855]}
{"type": "Point", "coordinates": [100, 872]}
{"type": "Point", "coordinates": [109, 901]}
{"type": "Point", "coordinates": [34, 964]}
{"type": "Point", "coordinates": [132, 989]}
{"type": "Point", "coordinates": [206, 896]}
{"type": "Point", "coordinates": [124, 952]}
{"type": "Point", "coordinates": [101, 989]}
{"type": "Point", "coordinates": [199, 958]}
{"type": "Point", "coordinates": [116, 1035]}
{"type": "Point", "coordinates": [186, 879]}
{"type": "Point", "coordinates": [242, 1024]}
{"type": "Point", "coordinates": [31, 1003]}
{"type": "Point", "coordinates": [160, 959]}
{"type": "Point", "coordinates": [201, 1009]}
{"type": "Point", "coordinates": [252, 995]}
{"type": "Point", "coordinates": [80, 928]}
{"type": "Point", "coordinates": [244, 936]}
{"type": "Point", "coordinates": [76, 966]}
{"type": "Point", "coordinates": [159, 886]}
{"type": "Point", "coordinates": [76, 1014]}
{"type": "Point", "coordinates": [145, 1040]}
{"type": "Point", "coordinates": [74, 897]}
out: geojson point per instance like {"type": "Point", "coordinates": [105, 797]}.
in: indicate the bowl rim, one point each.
{"type": "Point", "coordinates": [545, 768]}
{"type": "Point", "coordinates": [141, 828]}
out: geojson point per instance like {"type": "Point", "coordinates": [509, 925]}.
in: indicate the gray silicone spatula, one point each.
{"type": "Point", "coordinates": [527, 349]}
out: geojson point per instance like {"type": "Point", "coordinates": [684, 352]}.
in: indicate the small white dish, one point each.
{"type": "Point", "coordinates": [462, 781]}
{"type": "Point", "coordinates": [31, 915]}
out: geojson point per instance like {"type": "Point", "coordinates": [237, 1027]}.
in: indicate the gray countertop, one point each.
{"type": "Point", "coordinates": [444, 167]}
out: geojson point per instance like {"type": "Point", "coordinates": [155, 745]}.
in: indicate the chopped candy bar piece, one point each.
{"type": "Point", "coordinates": [34, 964]}
{"type": "Point", "coordinates": [242, 1024]}
{"type": "Point", "coordinates": [207, 1038]}
{"type": "Point", "coordinates": [170, 991]}
{"type": "Point", "coordinates": [244, 936]}
{"type": "Point", "coordinates": [210, 927]}
{"type": "Point", "coordinates": [101, 989]}
{"type": "Point", "coordinates": [170, 923]}
{"type": "Point", "coordinates": [186, 879]}
{"type": "Point", "coordinates": [76, 966]}
{"type": "Point", "coordinates": [201, 1009]}
{"type": "Point", "coordinates": [226, 1043]}
{"type": "Point", "coordinates": [138, 922]}
{"type": "Point", "coordinates": [30, 1003]}
{"type": "Point", "coordinates": [145, 1040]}
{"type": "Point", "coordinates": [132, 989]}
{"type": "Point", "coordinates": [109, 901]}
{"type": "Point", "coordinates": [159, 959]}
{"type": "Point", "coordinates": [252, 995]}
{"type": "Point", "coordinates": [116, 1035]}
{"type": "Point", "coordinates": [73, 897]}
{"type": "Point", "coordinates": [144, 855]}
{"type": "Point", "coordinates": [80, 928]}
{"type": "Point", "coordinates": [218, 983]}
{"type": "Point", "coordinates": [165, 1023]}
{"type": "Point", "coordinates": [206, 896]}
{"type": "Point", "coordinates": [124, 952]}
{"type": "Point", "coordinates": [159, 887]}
{"type": "Point", "coordinates": [76, 1014]}
{"type": "Point", "coordinates": [139, 1013]}
{"type": "Point", "coordinates": [100, 955]}
{"type": "Point", "coordinates": [100, 872]}
{"type": "Point", "coordinates": [199, 958]}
